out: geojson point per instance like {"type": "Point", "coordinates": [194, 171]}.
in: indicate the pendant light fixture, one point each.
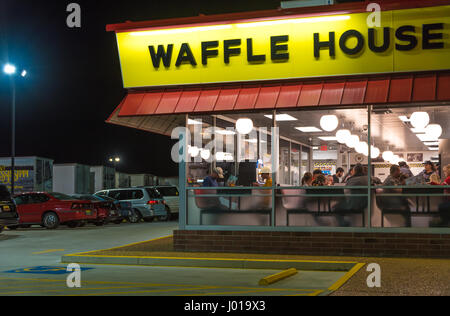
{"type": "Point", "coordinates": [420, 119]}
{"type": "Point", "coordinates": [329, 123]}
{"type": "Point", "coordinates": [244, 126]}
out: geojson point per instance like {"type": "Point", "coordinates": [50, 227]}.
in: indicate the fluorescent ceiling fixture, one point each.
{"type": "Point", "coordinates": [282, 117]}
{"type": "Point", "coordinates": [431, 143]}
{"type": "Point", "coordinates": [24, 73]}
{"type": "Point", "coordinates": [309, 129]}
{"type": "Point", "coordinates": [404, 118]}
{"type": "Point", "coordinates": [426, 138]}
{"type": "Point", "coordinates": [193, 122]}
{"type": "Point", "coordinates": [328, 138]}
{"type": "Point", "coordinates": [183, 30]}
{"type": "Point", "coordinates": [225, 132]}
{"type": "Point", "coordinates": [433, 148]}
{"type": "Point", "coordinates": [315, 148]}
{"type": "Point", "coordinates": [254, 141]}
{"type": "Point", "coordinates": [9, 69]}
{"type": "Point", "coordinates": [418, 130]}
{"type": "Point", "coordinates": [295, 21]}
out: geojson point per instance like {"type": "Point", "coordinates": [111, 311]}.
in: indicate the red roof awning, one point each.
{"type": "Point", "coordinates": [386, 89]}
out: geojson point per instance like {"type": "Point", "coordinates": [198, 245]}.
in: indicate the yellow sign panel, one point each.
{"type": "Point", "coordinates": [407, 40]}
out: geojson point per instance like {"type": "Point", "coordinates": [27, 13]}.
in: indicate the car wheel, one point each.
{"type": "Point", "coordinates": [73, 224]}
{"type": "Point", "coordinates": [135, 217]}
{"type": "Point", "coordinates": [50, 220]}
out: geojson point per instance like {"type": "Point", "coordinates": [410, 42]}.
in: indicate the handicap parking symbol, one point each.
{"type": "Point", "coordinates": [44, 270]}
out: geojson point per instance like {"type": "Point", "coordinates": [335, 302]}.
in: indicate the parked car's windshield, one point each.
{"type": "Point", "coordinates": [168, 191]}
{"type": "Point", "coordinates": [62, 197]}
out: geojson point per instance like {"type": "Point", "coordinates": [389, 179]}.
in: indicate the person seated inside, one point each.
{"type": "Point", "coordinates": [430, 169]}
{"type": "Point", "coordinates": [319, 181]}
{"type": "Point", "coordinates": [444, 207]}
{"type": "Point", "coordinates": [211, 180]}
{"type": "Point", "coordinates": [266, 176]}
{"type": "Point", "coordinates": [339, 176]}
{"type": "Point", "coordinates": [307, 179]}
{"type": "Point", "coordinates": [317, 173]}
{"type": "Point", "coordinates": [404, 169]}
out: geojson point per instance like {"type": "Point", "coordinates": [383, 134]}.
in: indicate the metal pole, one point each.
{"type": "Point", "coordinates": [13, 135]}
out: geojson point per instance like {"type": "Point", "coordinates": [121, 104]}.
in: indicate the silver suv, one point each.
{"type": "Point", "coordinates": [146, 203]}
{"type": "Point", "coordinates": [171, 197]}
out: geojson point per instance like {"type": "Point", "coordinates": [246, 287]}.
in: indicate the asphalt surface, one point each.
{"type": "Point", "coordinates": [30, 265]}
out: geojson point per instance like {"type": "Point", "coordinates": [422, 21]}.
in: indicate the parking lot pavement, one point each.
{"type": "Point", "coordinates": [165, 281]}
{"type": "Point", "coordinates": [32, 267]}
{"type": "Point", "coordinates": [38, 246]}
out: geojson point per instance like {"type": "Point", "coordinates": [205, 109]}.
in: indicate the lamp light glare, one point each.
{"type": "Point", "coordinates": [434, 130]}
{"type": "Point", "coordinates": [420, 119]}
{"type": "Point", "coordinates": [244, 126]}
{"type": "Point", "coordinates": [9, 69]}
{"type": "Point", "coordinates": [343, 135]}
{"type": "Point", "coordinates": [388, 155]}
{"type": "Point", "coordinates": [352, 141]}
{"type": "Point", "coordinates": [329, 122]}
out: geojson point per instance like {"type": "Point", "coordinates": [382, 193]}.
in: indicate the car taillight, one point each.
{"type": "Point", "coordinates": [153, 202]}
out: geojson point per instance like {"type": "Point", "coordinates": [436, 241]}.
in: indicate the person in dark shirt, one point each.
{"type": "Point", "coordinates": [339, 176]}
{"type": "Point", "coordinates": [404, 168]}
{"type": "Point", "coordinates": [211, 181]}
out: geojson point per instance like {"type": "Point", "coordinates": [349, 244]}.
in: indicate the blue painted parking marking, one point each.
{"type": "Point", "coordinates": [44, 270]}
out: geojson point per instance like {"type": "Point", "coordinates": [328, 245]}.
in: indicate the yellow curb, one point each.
{"type": "Point", "coordinates": [278, 277]}
{"type": "Point", "coordinates": [346, 277]}
{"type": "Point", "coordinates": [47, 251]}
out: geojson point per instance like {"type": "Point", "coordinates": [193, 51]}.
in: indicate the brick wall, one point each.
{"type": "Point", "coordinates": [316, 243]}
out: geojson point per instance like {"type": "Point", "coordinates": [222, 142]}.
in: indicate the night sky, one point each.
{"type": "Point", "coordinates": [75, 83]}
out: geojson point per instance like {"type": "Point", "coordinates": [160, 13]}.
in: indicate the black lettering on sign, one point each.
{"type": "Point", "coordinates": [318, 45]}
{"type": "Point", "coordinates": [386, 40]}
{"type": "Point", "coordinates": [400, 34]}
{"type": "Point", "coordinates": [343, 42]}
{"type": "Point", "coordinates": [166, 57]}
{"type": "Point", "coordinates": [275, 48]}
{"type": "Point", "coordinates": [253, 58]}
{"type": "Point", "coordinates": [229, 51]}
{"type": "Point", "coordinates": [185, 56]}
{"type": "Point", "coordinates": [207, 52]}
{"type": "Point", "coordinates": [427, 36]}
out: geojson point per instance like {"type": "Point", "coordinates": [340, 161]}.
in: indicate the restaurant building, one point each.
{"type": "Point", "coordinates": [293, 91]}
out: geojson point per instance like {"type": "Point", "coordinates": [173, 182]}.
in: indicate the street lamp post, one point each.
{"type": "Point", "coordinates": [10, 70]}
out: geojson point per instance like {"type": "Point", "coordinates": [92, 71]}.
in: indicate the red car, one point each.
{"type": "Point", "coordinates": [52, 209]}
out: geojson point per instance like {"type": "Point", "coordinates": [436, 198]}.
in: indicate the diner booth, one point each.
{"type": "Point", "coordinates": [365, 114]}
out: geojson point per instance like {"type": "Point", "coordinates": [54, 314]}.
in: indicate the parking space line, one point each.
{"type": "Point", "coordinates": [63, 288]}
{"type": "Point", "coordinates": [144, 291]}
{"type": "Point", "coordinates": [48, 251]}
{"type": "Point", "coordinates": [346, 277]}
{"type": "Point", "coordinates": [236, 292]}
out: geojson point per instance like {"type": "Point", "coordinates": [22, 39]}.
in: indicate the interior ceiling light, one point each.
{"type": "Point", "coordinates": [431, 144]}
{"type": "Point", "coordinates": [404, 118]}
{"type": "Point", "coordinates": [244, 126]}
{"type": "Point", "coordinates": [329, 123]}
{"type": "Point", "coordinates": [420, 119]}
{"type": "Point", "coordinates": [343, 135]}
{"type": "Point", "coordinates": [427, 138]}
{"type": "Point", "coordinates": [361, 147]}
{"type": "Point", "coordinates": [433, 148]}
{"type": "Point", "coordinates": [309, 129]}
{"type": "Point", "coordinates": [194, 151]}
{"type": "Point", "coordinates": [193, 122]}
{"type": "Point", "coordinates": [418, 130]}
{"type": "Point", "coordinates": [352, 141]}
{"type": "Point", "coordinates": [282, 117]}
{"type": "Point", "coordinates": [434, 130]}
{"type": "Point", "coordinates": [388, 155]}
{"type": "Point", "coordinates": [225, 132]}
{"type": "Point", "coordinates": [328, 138]}
{"type": "Point", "coordinates": [374, 152]}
